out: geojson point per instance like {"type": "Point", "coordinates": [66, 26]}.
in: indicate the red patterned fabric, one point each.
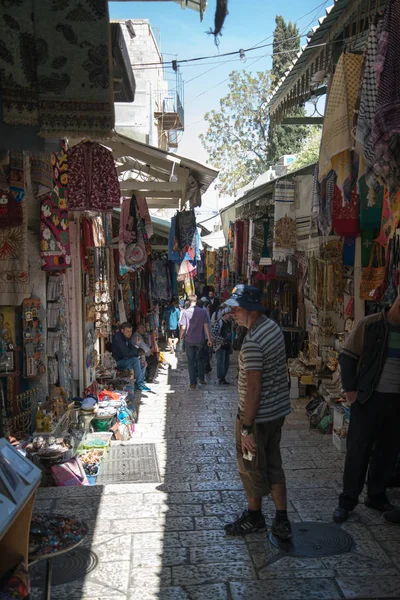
{"type": "Point", "coordinates": [92, 178]}
{"type": "Point", "coordinates": [346, 215]}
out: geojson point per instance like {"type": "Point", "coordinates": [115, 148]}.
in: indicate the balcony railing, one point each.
{"type": "Point", "coordinates": [169, 111]}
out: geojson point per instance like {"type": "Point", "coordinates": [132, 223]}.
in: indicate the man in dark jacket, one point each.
{"type": "Point", "coordinates": [125, 350]}
{"type": "Point", "coordinates": [214, 302]}
{"type": "Point", "coordinates": [370, 370]}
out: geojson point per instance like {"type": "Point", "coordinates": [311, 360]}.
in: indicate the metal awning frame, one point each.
{"type": "Point", "coordinates": [159, 176]}
{"type": "Point", "coordinates": [294, 88]}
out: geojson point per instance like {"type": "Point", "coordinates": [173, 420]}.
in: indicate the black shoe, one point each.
{"type": "Point", "coordinates": [246, 524]}
{"type": "Point", "coordinates": [382, 505]}
{"type": "Point", "coordinates": [282, 530]}
{"type": "Point", "coordinates": [393, 516]}
{"type": "Point", "coordinates": [225, 382]}
{"type": "Point", "coordinates": [341, 515]}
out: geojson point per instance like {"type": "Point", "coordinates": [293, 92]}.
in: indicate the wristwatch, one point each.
{"type": "Point", "coordinates": [247, 429]}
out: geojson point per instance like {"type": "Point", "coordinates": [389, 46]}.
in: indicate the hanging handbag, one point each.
{"type": "Point", "coordinates": [372, 276]}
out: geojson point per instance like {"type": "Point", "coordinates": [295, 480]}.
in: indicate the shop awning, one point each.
{"type": "Point", "coordinates": [215, 240]}
{"type": "Point", "coordinates": [342, 20]}
{"type": "Point", "coordinates": [166, 180]}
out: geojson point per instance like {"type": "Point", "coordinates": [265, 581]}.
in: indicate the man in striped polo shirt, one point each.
{"type": "Point", "coordinates": [263, 404]}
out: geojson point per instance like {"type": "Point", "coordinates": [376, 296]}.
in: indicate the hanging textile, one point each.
{"type": "Point", "coordinates": [64, 85]}
{"type": "Point", "coordinates": [145, 215]}
{"type": "Point", "coordinates": [245, 254]}
{"type": "Point", "coordinates": [161, 282]}
{"type": "Point", "coordinates": [173, 250]}
{"type": "Point", "coordinates": [231, 248]}
{"type": "Point", "coordinates": [349, 251]}
{"type": "Point", "coordinates": [73, 293]}
{"type": "Point", "coordinates": [390, 218]}
{"type": "Point", "coordinates": [224, 270]}
{"type": "Point", "coordinates": [238, 249]}
{"type": "Point", "coordinates": [185, 231]}
{"type": "Point", "coordinates": [370, 214]}
{"type": "Point", "coordinates": [14, 275]}
{"type": "Point", "coordinates": [337, 141]}
{"type": "Point", "coordinates": [41, 174]}
{"type": "Point", "coordinates": [210, 267]}
{"type": "Point", "coordinates": [187, 272]}
{"type": "Point", "coordinates": [346, 216]}
{"type": "Point", "coordinates": [54, 223]}
{"type": "Point", "coordinates": [55, 248]}
{"type": "Point", "coordinates": [386, 122]}
{"type": "Point", "coordinates": [367, 240]}
{"type": "Point", "coordinates": [284, 225]}
{"type": "Point", "coordinates": [92, 178]}
{"type": "Point", "coordinates": [367, 107]}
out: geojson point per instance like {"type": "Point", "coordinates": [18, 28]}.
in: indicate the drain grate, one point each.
{"type": "Point", "coordinates": [130, 464]}
{"type": "Point", "coordinates": [66, 568]}
{"type": "Point", "coordinates": [315, 539]}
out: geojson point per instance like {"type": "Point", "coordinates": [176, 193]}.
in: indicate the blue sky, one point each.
{"type": "Point", "coordinates": [249, 22]}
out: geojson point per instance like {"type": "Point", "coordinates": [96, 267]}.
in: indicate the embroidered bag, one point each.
{"type": "Point", "coordinates": [374, 275]}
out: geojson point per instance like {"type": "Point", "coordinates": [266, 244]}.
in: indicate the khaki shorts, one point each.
{"type": "Point", "coordinates": [266, 468]}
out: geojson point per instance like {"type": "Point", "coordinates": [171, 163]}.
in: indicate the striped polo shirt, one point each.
{"type": "Point", "coordinates": [263, 349]}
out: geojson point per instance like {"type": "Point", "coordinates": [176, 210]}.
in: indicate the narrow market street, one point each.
{"type": "Point", "coordinates": [166, 540]}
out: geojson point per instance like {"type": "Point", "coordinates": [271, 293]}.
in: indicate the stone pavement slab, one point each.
{"type": "Point", "coordinates": [165, 541]}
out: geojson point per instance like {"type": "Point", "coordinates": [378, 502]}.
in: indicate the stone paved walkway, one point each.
{"type": "Point", "coordinates": [167, 542]}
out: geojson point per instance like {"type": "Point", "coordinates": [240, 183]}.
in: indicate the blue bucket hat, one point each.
{"type": "Point", "coordinates": [247, 297]}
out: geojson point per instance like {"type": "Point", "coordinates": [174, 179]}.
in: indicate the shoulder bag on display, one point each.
{"type": "Point", "coordinates": [372, 276]}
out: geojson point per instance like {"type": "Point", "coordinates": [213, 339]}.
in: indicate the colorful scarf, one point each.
{"type": "Point", "coordinates": [337, 141]}
{"type": "Point", "coordinates": [367, 106]}
{"type": "Point", "coordinates": [370, 214]}
{"type": "Point", "coordinates": [55, 248]}
{"type": "Point", "coordinates": [386, 122]}
{"type": "Point", "coordinates": [57, 72]}
{"type": "Point", "coordinates": [210, 267]}
{"type": "Point", "coordinates": [238, 249]}
{"type": "Point", "coordinates": [346, 216]}
{"type": "Point", "coordinates": [284, 226]}
{"type": "Point", "coordinates": [224, 270]}
{"type": "Point", "coordinates": [390, 218]}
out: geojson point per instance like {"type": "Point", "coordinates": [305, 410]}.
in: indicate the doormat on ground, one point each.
{"type": "Point", "coordinates": [130, 464]}
{"type": "Point", "coordinates": [313, 540]}
{"type": "Point", "coordinates": [66, 568]}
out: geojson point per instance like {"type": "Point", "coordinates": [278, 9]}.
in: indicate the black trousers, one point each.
{"type": "Point", "coordinates": [373, 444]}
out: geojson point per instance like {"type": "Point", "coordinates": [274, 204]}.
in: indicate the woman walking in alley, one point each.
{"type": "Point", "coordinates": [221, 334]}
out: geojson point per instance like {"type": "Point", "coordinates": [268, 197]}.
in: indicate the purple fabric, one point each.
{"type": "Point", "coordinates": [194, 319]}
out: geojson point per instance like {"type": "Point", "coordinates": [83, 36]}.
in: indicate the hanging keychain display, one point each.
{"type": "Point", "coordinates": [32, 338]}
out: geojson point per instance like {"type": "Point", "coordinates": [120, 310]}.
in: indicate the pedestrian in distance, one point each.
{"type": "Point", "coordinates": [170, 317]}
{"type": "Point", "coordinates": [370, 372]}
{"type": "Point", "coordinates": [195, 329]}
{"type": "Point", "coordinates": [263, 405]}
{"type": "Point", "coordinates": [126, 350]}
{"type": "Point", "coordinates": [221, 333]}
{"type": "Point", "coordinates": [214, 301]}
